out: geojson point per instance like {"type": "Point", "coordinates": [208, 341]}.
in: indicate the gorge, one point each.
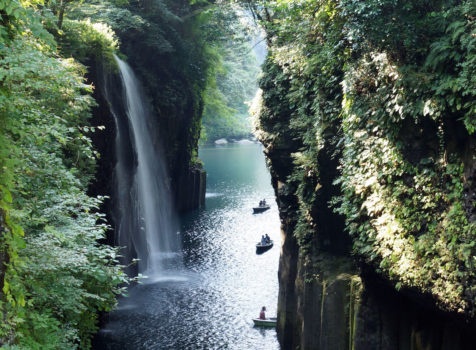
{"type": "Point", "coordinates": [366, 117]}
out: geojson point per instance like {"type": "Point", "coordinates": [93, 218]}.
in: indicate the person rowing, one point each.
{"type": "Point", "coordinates": [262, 315]}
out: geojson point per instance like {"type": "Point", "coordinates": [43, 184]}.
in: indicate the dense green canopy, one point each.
{"type": "Point", "coordinates": [388, 85]}
{"type": "Point", "coordinates": [55, 275]}
{"type": "Point", "coordinates": [388, 88]}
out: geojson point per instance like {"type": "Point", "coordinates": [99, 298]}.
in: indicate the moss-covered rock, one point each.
{"type": "Point", "coordinates": [372, 157]}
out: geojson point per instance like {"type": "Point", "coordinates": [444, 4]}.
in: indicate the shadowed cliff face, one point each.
{"type": "Point", "coordinates": [109, 97]}
{"type": "Point", "coordinates": [173, 83]}
{"type": "Point", "coordinates": [373, 157]}
{"type": "Point", "coordinates": [165, 49]}
{"type": "Point", "coordinates": [188, 182]}
{"type": "Point", "coordinates": [317, 277]}
{"type": "Point", "coordinates": [177, 107]}
{"type": "Point", "coordinates": [329, 298]}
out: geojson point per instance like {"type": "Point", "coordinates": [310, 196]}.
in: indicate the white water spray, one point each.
{"type": "Point", "coordinates": [145, 222]}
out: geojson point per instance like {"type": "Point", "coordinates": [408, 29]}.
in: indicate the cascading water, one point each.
{"type": "Point", "coordinates": [144, 219]}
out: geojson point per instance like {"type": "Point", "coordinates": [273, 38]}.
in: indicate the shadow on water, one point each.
{"type": "Point", "coordinates": [208, 302]}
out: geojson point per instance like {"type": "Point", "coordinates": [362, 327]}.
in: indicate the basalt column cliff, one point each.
{"type": "Point", "coordinates": [368, 121]}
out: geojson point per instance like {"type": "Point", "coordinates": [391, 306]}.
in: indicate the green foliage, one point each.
{"type": "Point", "coordinates": [307, 83]}
{"type": "Point", "coordinates": [19, 15]}
{"type": "Point", "coordinates": [187, 39]}
{"type": "Point", "coordinates": [384, 85]}
{"type": "Point", "coordinates": [84, 40]}
{"type": "Point", "coordinates": [406, 215]}
{"type": "Point", "coordinates": [153, 27]}
{"type": "Point", "coordinates": [452, 60]}
{"type": "Point", "coordinates": [57, 276]}
{"type": "Point", "coordinates": [405, 218]}
{"type": "Point", "coordinates": [229, 90]}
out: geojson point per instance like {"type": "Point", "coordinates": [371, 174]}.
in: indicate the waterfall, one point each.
{"type": "Point", "coordinates": [144, 220]}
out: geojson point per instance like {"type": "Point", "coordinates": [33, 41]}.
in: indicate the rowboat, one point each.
{"type": "Point", "coordinates": [261, 248]}
{"type": "Point", "coordinates": [269, 322]}
{"type": "Point", "coordinates": [260, 209]}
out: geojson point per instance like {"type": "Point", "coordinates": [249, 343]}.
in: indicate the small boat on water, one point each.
{"type": "Point", "coordinates": [262, 247]}
{"type": "Point", "coordinates": [260, 208]}
{"type": "Point", "coordinates": [268, 322]}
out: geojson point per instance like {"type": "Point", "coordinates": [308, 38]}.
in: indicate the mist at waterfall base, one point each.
{"type": "Point", "coordinates": [143, 217]}
{"type": "Point", "coordinates": [223, 283]}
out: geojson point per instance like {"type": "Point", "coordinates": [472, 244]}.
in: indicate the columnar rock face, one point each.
{"type": "Point", "coordinates": [330, 299]}
{"type": "Point", "coordinates": [367, 118]}
{"type": "Point", "coordinates": [389, 320]}
{"type": "Point", "coordinates": [327, 303]}
{"type": "Point", "coordinates": [319, 290]}
{"type": "Point", "coordinates": [190, 189]}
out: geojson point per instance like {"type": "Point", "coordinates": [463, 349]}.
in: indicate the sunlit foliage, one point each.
{"type": "Point", "coordinates": [389, 87]}
{"type": "Point", "coordinates": [234, 80]}
{"type": "Point", "coordinates": [55, 276]}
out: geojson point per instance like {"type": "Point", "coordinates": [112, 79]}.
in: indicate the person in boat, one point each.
{"type": "Point", "coordinates": [267, 239]}
{"type": "Point", "coordinates": [263, 240]}
{"type": "Point", "coordinates": [262, 315]}
{"type": "Point", "coordinates": [260, 203]}
{"type": "Point", "coordinates": [263, 202]}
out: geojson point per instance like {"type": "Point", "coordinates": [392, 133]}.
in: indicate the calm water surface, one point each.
{"type": "Point", "coordinates": [212, 290]}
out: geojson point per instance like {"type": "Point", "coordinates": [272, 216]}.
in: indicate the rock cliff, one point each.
{"type": "Point", "coordinates": [328, 298]}
{"type": "Point", "coordinates": [372, 169]}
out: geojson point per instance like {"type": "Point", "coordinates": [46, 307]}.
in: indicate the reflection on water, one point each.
{"type": "Point", "coordinates": [208, 301]}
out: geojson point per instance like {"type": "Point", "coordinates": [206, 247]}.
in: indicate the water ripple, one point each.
{"type": "Point", "coordinates": [208, 302]}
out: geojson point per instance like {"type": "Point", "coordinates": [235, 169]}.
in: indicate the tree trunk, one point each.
{"type": "Point", "coordinates": [61, 13]}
